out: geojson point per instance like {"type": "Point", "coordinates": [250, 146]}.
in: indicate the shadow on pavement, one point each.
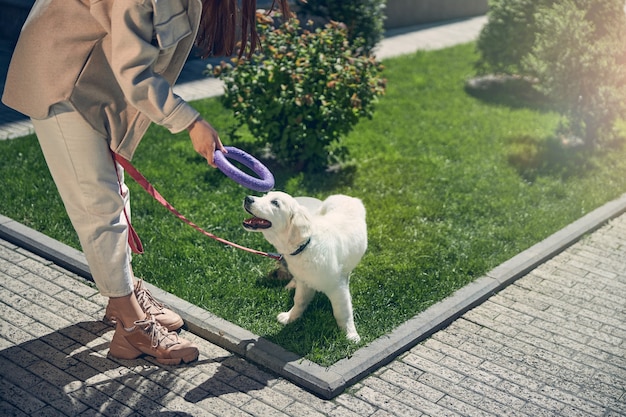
{"type": "Point", "coordinates": [67, 372]}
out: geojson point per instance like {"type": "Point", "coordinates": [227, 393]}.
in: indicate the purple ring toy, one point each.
{"type": "Point", "coordinates": [265, 182]}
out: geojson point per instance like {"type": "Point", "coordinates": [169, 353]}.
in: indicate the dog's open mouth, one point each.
{"type": "Point", "coordinates": [257, 223]}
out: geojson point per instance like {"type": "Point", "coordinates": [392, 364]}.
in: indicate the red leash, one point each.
{"type": "Point", "coordinates": [133, 238]}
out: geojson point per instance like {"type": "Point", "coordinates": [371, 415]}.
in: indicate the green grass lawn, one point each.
{"type": "Point", "coordinates": [454, 185]}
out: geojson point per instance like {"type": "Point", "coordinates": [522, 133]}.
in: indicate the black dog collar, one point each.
{"type": "Point", "coordinates": [301, 248]}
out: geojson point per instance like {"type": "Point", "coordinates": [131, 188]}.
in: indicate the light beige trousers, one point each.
{"type": "Point", "coordinates": [92, 188]}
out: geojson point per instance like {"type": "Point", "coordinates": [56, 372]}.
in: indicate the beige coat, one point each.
{"type": "Point", "coordinates": [114, 60]}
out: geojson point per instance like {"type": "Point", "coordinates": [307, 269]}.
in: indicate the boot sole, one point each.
{"type": "Point", "coordinates": [164, 361]}
{"type": "Point", "coordinates": [120, 348]}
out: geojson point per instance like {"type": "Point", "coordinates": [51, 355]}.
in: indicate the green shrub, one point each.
{"type": "Point", "coordinates": [363, 18]}
{"type": "Point", "coordinates": [572, 49]}
{"type": "Point", "coordinates": [578, 57]}
{"type": "Point", "coordinates": [302, 93]}
{"type": "Point", "coordinates": [508, 36]}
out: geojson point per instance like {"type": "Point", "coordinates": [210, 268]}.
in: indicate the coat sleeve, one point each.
{"type": "Point", "coordinates": [142, 48]}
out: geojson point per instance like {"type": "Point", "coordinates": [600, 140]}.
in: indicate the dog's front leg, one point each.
{"type": "Point", "coordinates": [301, 300]}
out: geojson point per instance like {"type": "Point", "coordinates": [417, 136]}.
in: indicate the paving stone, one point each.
{"type": "Point", "coordinates": [79, 303]}
{"type": "Point", "coordinates": [219, 407]}
{"type": "Point", "coordinates": [301, 395]}
{"type": "Point", "coordinates": [19, 399]}
{"type": "Point", "coordinates": [9, 253]}
{"type": "Point", "coordinates": [382, 386]}
{"type": "Point", "coordinates": [355, 405]}
{"type": "Point", "coordinates": [383, 413]}
{"type": "Point", "coordinates": [259, 408]}
{"type": "Point", "coordinates": [273, 398]}
{"type": "Point", "coordinates": [412, 385]}
{"type": "Point", "coordinates": [487, 324]}
{"type": "Point", "coordinates": [426, 365]}
{"type": "Point", "coordinates": [301, 409]}
{"type": "Point", "coordinates": [45, 317]}
{"type": "Point", "coordinates": [136, 401]}
{"type": "Point", "coordinates": [12, 270]}
{"type": "Point", "coordinates": [49, 355]}
{"type": "Point", "coordinates": [217, 388]}
{"type": "Point", "coordinates": [244, 367]}
{"type": "Point", "coordinates": [66, 406]}
{"type": "Point", "coordinates": [404, 369]}
{"type": "Point", "coordinates": [7, 409]}
{"type": "Point", "coordinates": [13, 333]}
{"type": "Point", "coordinates": [344, 412]}
{"type": "Point", "coordinates": [97, 400]}
{"type": "Point", "coordinates": [15, 317]}
{"type": "Point", "coordinates": [449, 351]}
{"type": "Point", "coordinates": [40, 275]}
{"type": "Point", "coordinates": [507, 375]}
{"type": "Point", "coordinates": [87, 291]}
{"type": "Point", "coordinates": [424, 405]}
{"type": "Point", "coordinates": [535, 410]}
{"type": "Point", "coordinates": [463, 408]}
{"type": "Point", "coordinates": [572, 401]}
{"type": "Point", "coordinates": [465, 394]}
{"type": "Point", "coordinates": [11, 296]}
{"type": "Point", "coordinates": [51, 304]}
{"type": "Point", "coordinates": [385, 402]}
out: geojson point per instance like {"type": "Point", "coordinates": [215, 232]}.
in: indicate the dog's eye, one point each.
{"type": "Point", "coordinates": [275, 203]}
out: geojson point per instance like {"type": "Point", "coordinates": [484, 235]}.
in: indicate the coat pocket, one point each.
{"type": "Point", "coordinates": [171, 23]}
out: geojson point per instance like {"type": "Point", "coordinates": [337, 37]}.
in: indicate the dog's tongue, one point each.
{"type": "Point", "coordinates": [257, 223]}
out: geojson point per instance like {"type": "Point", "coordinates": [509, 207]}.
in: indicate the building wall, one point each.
{"type": "Point", "coordinates": [403, 13]}
{"type": "Point", "coordinates": [399, 13]}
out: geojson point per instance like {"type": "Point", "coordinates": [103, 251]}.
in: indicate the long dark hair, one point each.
{"type": "Point", "coordinates": [219, 30]}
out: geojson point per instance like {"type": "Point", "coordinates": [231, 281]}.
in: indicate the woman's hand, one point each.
{"type": "Point", "coordinates": [205, 139]}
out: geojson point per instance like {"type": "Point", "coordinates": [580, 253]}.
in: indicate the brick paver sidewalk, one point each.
{"type": "Point", "coordinates": [553, 343]}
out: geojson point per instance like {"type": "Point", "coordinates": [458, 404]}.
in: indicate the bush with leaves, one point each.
{"type": "Point", "coordinates": [363, 18]}
{"type": "Point", "coordinates": [303, 92]}
{"type": "Point", "coordinates": [579, 59]}
{"type": "Point", "coordinates": [573, 49]}
{"type": "Point", "coordinates": [508, 36]}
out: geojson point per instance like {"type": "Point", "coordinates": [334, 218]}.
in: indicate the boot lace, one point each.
{"type": "Point", "coordinates": [146, 300]}
{"type": "Point", "coordinates": [159, 335]}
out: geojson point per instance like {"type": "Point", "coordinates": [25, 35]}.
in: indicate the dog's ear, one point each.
{"type": "Point", "coordinates": [299, 226]}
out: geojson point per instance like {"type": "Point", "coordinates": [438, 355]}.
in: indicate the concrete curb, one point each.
{"type": "Point", "coordinates": [328, 382]}
{"type": "Point", "coordinates": [44, 246]}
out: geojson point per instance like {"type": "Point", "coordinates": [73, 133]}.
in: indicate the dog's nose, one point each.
{"type": "Point", "coordinates": [249, 200]}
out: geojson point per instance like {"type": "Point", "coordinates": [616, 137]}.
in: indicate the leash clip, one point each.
{"type": "Point", "coordinates": [279, 257]}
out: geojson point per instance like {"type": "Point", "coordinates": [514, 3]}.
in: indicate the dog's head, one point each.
{"type": "Point", "coordinates": [283, 221]}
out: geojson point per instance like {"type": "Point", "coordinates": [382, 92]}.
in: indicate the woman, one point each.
{"type": "Point", "coordinates": [92, 75]}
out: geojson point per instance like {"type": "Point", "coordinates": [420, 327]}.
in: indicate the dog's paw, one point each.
{"type": "Point", "coordinates": [291, 285]}
{"type": "Point", "coordinates": [284, 318]}
{"type": "Point", "coordinates": [353, 337]}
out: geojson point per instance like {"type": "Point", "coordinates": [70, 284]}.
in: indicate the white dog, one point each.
{"type": "Point", "coordinates": [321, 248]}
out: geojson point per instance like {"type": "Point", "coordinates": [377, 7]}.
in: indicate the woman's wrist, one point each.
{"type": "Point", "coordinates": [193, 124]}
